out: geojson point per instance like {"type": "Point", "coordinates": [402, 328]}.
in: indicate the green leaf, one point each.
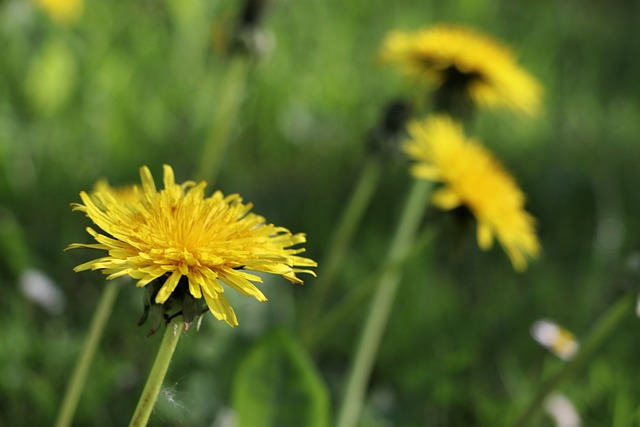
{"type": "Point", "coordinates": [52, 77]}
{"type": "Point", "coordinates": [277, 385]}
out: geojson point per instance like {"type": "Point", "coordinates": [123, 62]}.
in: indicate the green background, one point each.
{"type": "Point", "coordinates": [138, 83]}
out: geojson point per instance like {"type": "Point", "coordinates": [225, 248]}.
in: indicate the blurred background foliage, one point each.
{"type": "Point", "coordinates": [137, 83]}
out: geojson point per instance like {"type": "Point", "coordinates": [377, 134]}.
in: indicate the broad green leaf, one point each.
{"type": "Point", "coordinates": [277, 386]}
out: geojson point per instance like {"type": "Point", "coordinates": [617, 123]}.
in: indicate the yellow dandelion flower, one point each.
{"type": "Point", "coordinates": [453, 54]}
{"type": "Point", "coordinates": [62, 11]}
{"type": "Point", "coordinates": [178, 233]}
{"type": "Point", "coordinates": [104, 194]}
{"type": "Point", "coordinates": [472, 177]}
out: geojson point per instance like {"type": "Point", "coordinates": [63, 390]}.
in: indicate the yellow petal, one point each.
{"type": "Point", "coordinates": [485, 236]}
{"type": "Point", "coordinates": [221, 309]}
{"type": "Point", "coordinates": [169, 285]}
{"type": "Point", "coordinates": [148, 185]}
{"type": "Point", "coordinates": [446, 199]}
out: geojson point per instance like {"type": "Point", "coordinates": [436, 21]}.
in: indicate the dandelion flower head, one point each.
{"type": "Point", "coordinates": [472, 177]}
{"type": "Point", "coordinates": [448, 53]}
{"type": "Point", "coordinates": [178, 233]}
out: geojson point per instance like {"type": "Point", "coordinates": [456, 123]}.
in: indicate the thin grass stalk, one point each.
{"type": "Point", "coordinates": [340, 242]}
{"type": "Point", "coordinates": [83, 364]}
{"type": "Point", "coordinates": [604, 326]}
{"type": "Point", "coordinates": [228, 104]}
{"type": "Point", "coordinates": [359, 294]}
{"type": "Point", "coordinates": [386, 290]}
{"type": "Point", "coordinates": [156, 376]}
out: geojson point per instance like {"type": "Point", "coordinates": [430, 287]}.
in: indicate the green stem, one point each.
{"type": "Point", "coordinates": [79, 375]}
{"type": "Point", "coordinates": [381, 305]}
{"type": "Point", "coordinates": [228, 105]}
{"type": "Point", "coordinates": [604, 326]}
{"type": "Point", "coordinates": [341, 240]}
{"type": "Point", "coordinates": [338, 315]}
{"type": "Point", "coordinates": [156, 376]}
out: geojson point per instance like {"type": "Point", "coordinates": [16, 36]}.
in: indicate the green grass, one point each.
{"type": "Point", "coordinates": [135, 83]}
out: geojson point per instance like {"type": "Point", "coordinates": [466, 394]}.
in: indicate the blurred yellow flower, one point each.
{"type": "Point", "coordinates": [179, 233]}
{"type": "Point", "coordinates": [62, 11]}
{"type": "Point", "coordinates": [448, 53]}
{"type": "Point", "coordinates": [472, 177]}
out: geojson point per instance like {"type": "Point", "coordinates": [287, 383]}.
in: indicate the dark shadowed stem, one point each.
{"type": "Point", "coordinates": [341, 240]}
{"type": "Point", "coordinates": [229, 99]}
{"type": "Point", "coordinates": [605, 325]}
{"type": "Point", "coordinates": [79, 375]}
{"type": "Point", "coordinates": [157, 374]}
{"type": "Point", "coordinates": [383, 299]}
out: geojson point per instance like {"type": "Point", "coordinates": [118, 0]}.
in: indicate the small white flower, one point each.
{"type": "Point", "coordinates": [554, 338]}
{"type": "Point", "coordinates": [560, 408]}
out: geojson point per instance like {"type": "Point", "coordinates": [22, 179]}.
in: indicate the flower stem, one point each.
{"type": "Point", "coordinates": [603, 328]}
{"type": "Point", "coordinates": [156, 376]}
{"type": "Point", "coordinates": [383, 299]}
{"type": "Point", "coordinates": [79, 375]}
{"type": "Point", "coordinates": [341, 240]}
{"type": "Point", "coordinates": [338, 315]}
{"type": "Point", "coordinates": [229, 100]}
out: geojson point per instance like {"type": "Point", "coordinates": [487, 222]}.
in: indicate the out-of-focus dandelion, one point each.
{"type": "Point", "coordinates": [558, 340]}
{"type": "Point", "coordinates": [473, 179]}
{"type": "Point", "coordinates": [561, 409]}
{"type": "Point", "coordinates": [62, 11]}
{"type": "Point", "coordinates": [459, 57]}
{"type": "Point", "coordinates": [186, 244]}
